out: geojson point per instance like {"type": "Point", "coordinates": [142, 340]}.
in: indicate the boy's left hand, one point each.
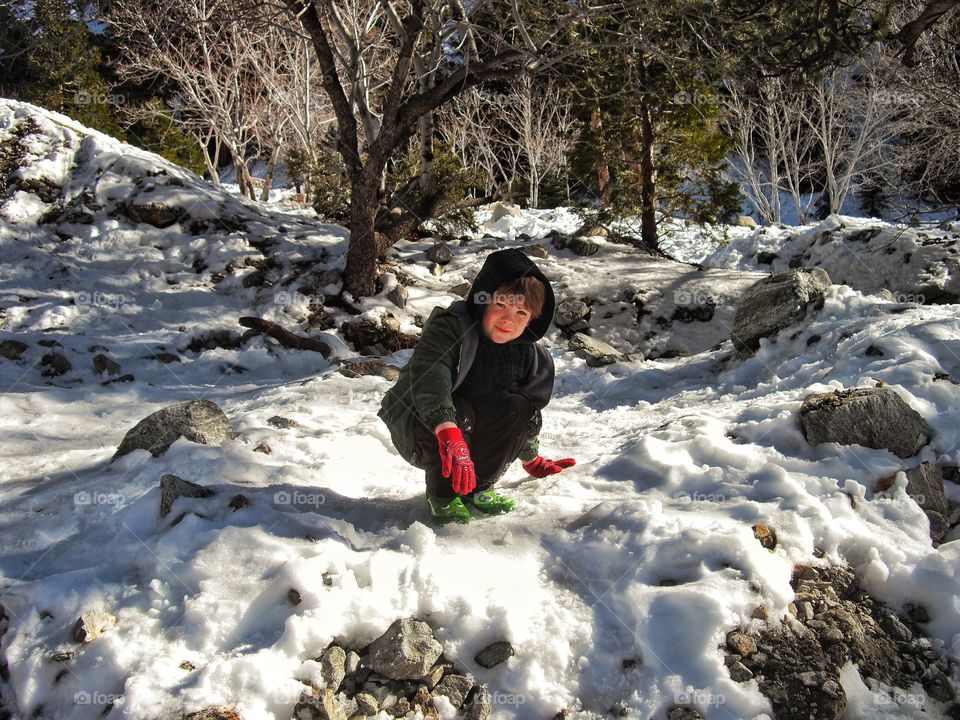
{"type": "Point", "coordinates": [540, 467]}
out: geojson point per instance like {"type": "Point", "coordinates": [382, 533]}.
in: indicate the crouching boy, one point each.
{"type": "Point", "coordinates": [468, 402]}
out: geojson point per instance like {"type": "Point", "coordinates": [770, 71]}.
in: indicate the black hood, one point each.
{"type": "Point", "coordinates": [501, 267]}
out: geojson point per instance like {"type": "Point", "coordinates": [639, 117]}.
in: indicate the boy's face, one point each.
{"type": "Point", "coordinates": [505, 318]}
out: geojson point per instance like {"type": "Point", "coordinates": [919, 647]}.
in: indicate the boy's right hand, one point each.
{"type": "Point", "coordinates": [455, 461]}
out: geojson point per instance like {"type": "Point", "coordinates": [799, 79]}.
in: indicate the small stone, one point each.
{"type": "Point", "coordinates": [833, 636]}
{"type": "Point", "coordinates": [215, 713]}
{"type": "Point", "coordinates": [12, 349]}
{"type": "Point", "coordinates": [766, 535]}
{"type": "Point", "coordinates": [406, 651]}
{"type": "Point", "coordinates": [805, 611]}
{"type": "Point", "coordinates": [367, 704]}
{"type": "Point", "coordinates": [435, 675]}
{"type": "Point", "coordinates": [740, 672]}
{"type": "Point", "coordinates": [460, 290]}
{"type": "Point", "coordinates": [283, 423]}
{"type": "Point", "coordinates": [494, 654]}
{"type": "Point", "coordinates": [353, 663]}
{"type": "Point", "coordinates": [398, 296]}
{"type": "Point", "coordinates": [263, 448]}
{"type": "Point", "coordinates": [440, 254]}
{"type": "Point", "coordinates": [92, 624]}
{"type": "Point", "coordinates": [891, 625]}
{"type": "Point", "coordinates": [102, 365]}
{"type": "Point", "coordinates": [294, 597]}
{"type": "Point", "coordinates": [188, 666]}
{"type": "Point", "coordinates": [173, 487]}
{"type": "Point", "coordinates": [741, 643]}
{"type": "Point", "coordinates": [480, 708]}
{"type": "Point", "coordinates": [238, 502]}
{"type": "Point", "coordinates": [333, 663]}
{"type": "Point", "coordinates": [55, 364]}
{"type": "Point", "coordinates": [401, 708]}
{"type": "Point", "coordinates": [760, 613]}
{"type": "Point", "coordinates": [455, 688]}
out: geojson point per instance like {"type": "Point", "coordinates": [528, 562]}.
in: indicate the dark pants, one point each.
{"type": "Point", "coordinates": [495, 437]}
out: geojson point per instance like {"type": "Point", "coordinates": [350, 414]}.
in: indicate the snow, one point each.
{"type": "Point", "coordinates": [643, 550]}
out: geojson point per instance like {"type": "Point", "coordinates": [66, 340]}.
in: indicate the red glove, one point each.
{"type": "Point", "coordinates": [455, 459]}
{"type": "Point", "coordinates": [540, 467]}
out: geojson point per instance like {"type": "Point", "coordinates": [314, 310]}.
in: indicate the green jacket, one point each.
{"type": "Point", "coordinates": [446, 350]}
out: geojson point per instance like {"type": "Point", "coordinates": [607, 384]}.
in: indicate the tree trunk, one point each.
{"type": "Point", "coordinates": [360, 275]}
{"type": "Point", "coordinates": [648, 180]}
{"type": "Point", "coordinates": [604, 185]}
{"type": "Point", "coordinates": [271, 171]}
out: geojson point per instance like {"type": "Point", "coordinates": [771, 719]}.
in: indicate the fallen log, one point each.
{"type": "Point", "coordinates": [285, 337]}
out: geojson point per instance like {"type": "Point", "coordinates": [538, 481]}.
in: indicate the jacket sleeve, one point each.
{"type": "Point", "coordinates": [538, 386]}
{"type": "Point", "coordinates": [433, 368]}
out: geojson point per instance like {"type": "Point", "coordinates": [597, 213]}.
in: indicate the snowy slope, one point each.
{"type": "Point", "coordinates": [643, 550]}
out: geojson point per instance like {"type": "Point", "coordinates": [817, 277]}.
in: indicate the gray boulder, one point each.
{"type": "Point", "coordinates": [494, 654]}
{"type": "Point", "coordinates": [596, 352]}
{"type": "Point", "coordinates": [156, 214]}
{"type": "Point", "coordinates": [776, 303]}
{"type": "Point", "coordinates": [873, 417]}
{"type": "Point", "coordinates": [173, 487]}
{"type": "Point", "coordinates": [577, 245]}
{"type": "Point", "coordinates": [12, 349]}
{"type": "Point", "coordinates": [572, 316]}
{"type": "Point", "coordinates": [440, 254]}
{"type": "Point", "coordinates": [200, 421]}
{"type": "Point", "coordinates": [406, 651]}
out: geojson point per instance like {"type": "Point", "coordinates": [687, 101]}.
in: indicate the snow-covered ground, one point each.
{"type": "Point", "coordinates": [643, 550]}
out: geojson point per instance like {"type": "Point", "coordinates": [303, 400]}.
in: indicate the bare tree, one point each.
{"type": "Point", "coordinates": [429, 51]}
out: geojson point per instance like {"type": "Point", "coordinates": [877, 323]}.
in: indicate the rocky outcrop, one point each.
{"type": "Point", "coordinates": [200, 421]}
{"type": "Point", "coordinates": [873, 417]}
{"type": "Point", "coordinates": [833, 622]}
{"type": "Point", "coordinates": [776, 303]}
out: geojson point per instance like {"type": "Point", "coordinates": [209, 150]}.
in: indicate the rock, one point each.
{"type": "Point", "coordinates": [282, 423]}
{"type": "Point", "coordinates": [775, 303]}
{"type": "Point", "coordinates": [596, 352]}
{"type": "Point", "coordinates": [165, 357]}
{"type": "Point", "coordinates": [294, 597]}
{"type": "Point", "coordinates": [925, 486]}
{"type": "Point", "coordinates": [455, 688]}
{"type": "Point", "coordinates": [55, 364]}
{"type": "Point", "coordinates": [440, 254]}
{"type": "Point", "coordinates": [333, 665]}
{"type": "Point", "coordinates": [126, 377]}
{"type": "Point", "coordinates": [766, 535]}
{"type": "Point", "coordinates": [102, 365]}
{"type": "Point", "coordinates": [503, 209]}
{"type": "Point", "coordinates": [200, 421]}
{"type": "Point", "coordinates": [12, 349]}
{"type": "Point", "coordinates": [741, 643]}
{"type": "Point", "coordinates": [873, 417]}
{"type": "Point", "coordinates": [238, 502]}
{"type": "Point", "coordinates": [322, 706]}
{"type": "Point", "coordinates": [494, 654]}
{"type": "Point", "coordinates": [683, 713]}
{"type": "Point", "coordinates": [406, 651]}
{"type": "Point", "coordinates": [938, 685]}
{"type": "Point", "coordinates": [213, 339]}
{"type": "Point", "coordinates": [398, 296]}
{"type": "Point", "coordinates": [591, 229]}
{"type": "Point", "coordinates": [91, 625]}
{"type": "Point", "coordinates": [572, 316]}
{"type": "Point", "coordinates": [480, 708]}
{"type": "Point", "coordinates": [156, 214]}
{"type": "Point", "coordinates": [370, 366]}
{"type": "Point", "coordinates": [263, 448]}
{"type": "Point", "coordinates": [578, 246]}
{"type": "Point", "coordinates": [367, 704]}
{"type": "Point", "coordinates": [536, 250]}
{"type": "Point", "coordinates": [740, 672]}
{"type": "Point", "coordinates": [460, 290]}
{"type": "Point", "coordinates": [745, 221]}
{"type": "Point", "coordinates": [173, 487]}
{"type": "Point", "coordinates": [352, 663]}
{"type": "Point", "coordinates": [215, 713]}
{"type": "Point", "coordinates": [892, 626]}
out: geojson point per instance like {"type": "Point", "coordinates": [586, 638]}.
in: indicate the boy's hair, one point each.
{"type": "Point", "coordinates": [527, 291]}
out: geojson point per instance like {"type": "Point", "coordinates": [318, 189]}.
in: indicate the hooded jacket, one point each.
{"type": "Point", "coordinates": [446, 351]}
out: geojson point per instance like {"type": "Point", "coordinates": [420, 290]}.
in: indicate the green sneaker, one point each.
{"type": "Point", "coordinates": [447, 510]}
{"type": "Point", "coordinates": [491, 503]}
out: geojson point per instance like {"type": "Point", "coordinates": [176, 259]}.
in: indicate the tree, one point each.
{"type": "Point", "coordinates": [389, 65]}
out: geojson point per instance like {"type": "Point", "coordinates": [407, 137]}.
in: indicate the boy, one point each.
{"type": "Point", "coordinates": [468, 402]}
